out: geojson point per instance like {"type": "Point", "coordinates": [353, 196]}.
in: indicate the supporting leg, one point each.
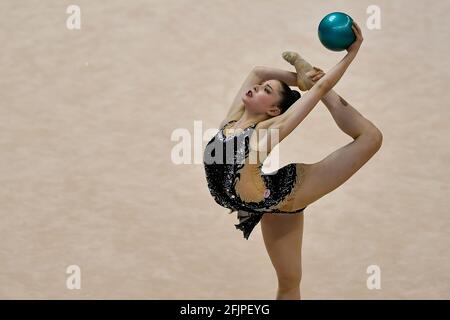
{"type": "Point", "coordinates": [282, 236]}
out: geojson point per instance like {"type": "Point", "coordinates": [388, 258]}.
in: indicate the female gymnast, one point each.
{"type": "Point", "coordinates": [278, 199]}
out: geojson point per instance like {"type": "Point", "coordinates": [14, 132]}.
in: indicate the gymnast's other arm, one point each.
{"type": "Point", "coordinates": [237, 106]}
{"type": "Point", "coordinates": [268, 73]}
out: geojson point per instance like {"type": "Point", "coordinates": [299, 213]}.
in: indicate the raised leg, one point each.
{"type": "Point", "coordinates": [326, 175]}
{"type": "Point", "coordinates": [347, 118]}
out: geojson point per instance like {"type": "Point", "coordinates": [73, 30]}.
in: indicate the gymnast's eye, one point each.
{"type": "Point", "coordinates": [267, 90]}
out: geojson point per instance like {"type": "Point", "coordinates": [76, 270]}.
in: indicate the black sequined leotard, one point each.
{"type": "Point", "coordinates": [224, 162]}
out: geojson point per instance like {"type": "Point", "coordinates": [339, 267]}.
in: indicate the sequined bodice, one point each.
{"type": "Point", "coordinates": [224, 162]}
{"type": "Point", "coordinates": [223, 158]}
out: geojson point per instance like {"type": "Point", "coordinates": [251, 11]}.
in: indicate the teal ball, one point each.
{"type": "Point", "coordinates": [335, 31]}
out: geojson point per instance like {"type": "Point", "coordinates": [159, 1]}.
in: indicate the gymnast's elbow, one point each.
{"type": "Point", "coordinates": [259, 70]}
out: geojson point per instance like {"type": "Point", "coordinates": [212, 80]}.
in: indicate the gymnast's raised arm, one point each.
{"type": "Point", "coordinates": [289, 120]}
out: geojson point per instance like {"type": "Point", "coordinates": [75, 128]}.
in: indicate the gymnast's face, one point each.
{"type": "Point", "coordinates": [263, 98]}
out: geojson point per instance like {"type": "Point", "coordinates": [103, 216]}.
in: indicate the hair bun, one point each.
{"type": "Point", "coordinates": [295, 95]}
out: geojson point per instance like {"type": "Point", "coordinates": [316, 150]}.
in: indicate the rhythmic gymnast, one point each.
{"type": "Point", "coordinates": [278, 200]}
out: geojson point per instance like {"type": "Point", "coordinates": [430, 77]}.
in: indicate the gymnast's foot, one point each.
{"type": "Point", "coordinates": [302, 67]}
